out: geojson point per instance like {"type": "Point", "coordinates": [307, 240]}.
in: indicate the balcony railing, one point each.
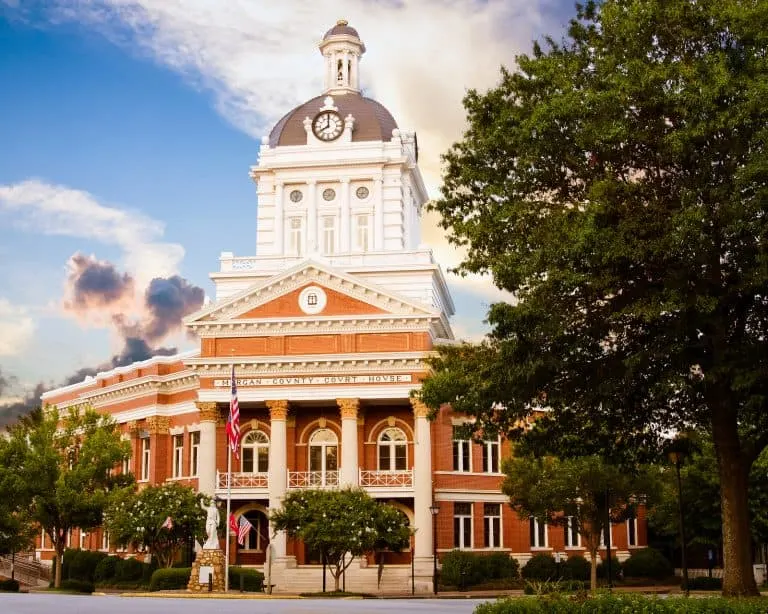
{"type": "Point", "coordinates": [242, 480]}
{"type": "Point", "coordinates": [313, 479]}
{"type": "Point", "coordinates": [386, 479]}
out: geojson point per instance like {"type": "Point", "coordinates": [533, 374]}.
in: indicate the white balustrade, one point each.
{"type": "Point", "coordinates": [386, 479]}
{"type": "Point", "coordinates": [313, 479]}
{"type": "Point", "coordinates": [242, 480]}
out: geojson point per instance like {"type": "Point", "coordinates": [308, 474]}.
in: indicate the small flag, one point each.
{"type": "Point", "coordinates": [245, 528]}
{"type": "Point", "coordinates": [233, 421]}
{"type": "Point", "coordinates": [168, 524]}
{"type": "Point", "coordinates": [233, 523]}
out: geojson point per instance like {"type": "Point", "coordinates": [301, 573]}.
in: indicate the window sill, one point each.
{"type": "Point", "coordinates": [575, 548]}
{"type": "Point", "coordinates": [541, 549]}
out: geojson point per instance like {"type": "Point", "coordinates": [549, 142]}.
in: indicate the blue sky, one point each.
{"type": "Point", "coordinates": [145, 115]}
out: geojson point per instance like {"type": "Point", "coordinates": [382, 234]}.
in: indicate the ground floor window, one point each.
{"type": "Point", "coordinates": [492, 525]}
{"type": "Point", "coordinates": [462, 525]}
{"type": "Point", "coordinates": [538, 533]}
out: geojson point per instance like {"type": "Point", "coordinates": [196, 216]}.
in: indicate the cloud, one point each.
{"type": "Point", "coordinates": [96, 285]}
{"type": "Point", "coordinates": [51, 209]}
{"type": "Point", "coordinates": [16, 329]}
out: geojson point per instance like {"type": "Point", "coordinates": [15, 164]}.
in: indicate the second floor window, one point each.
{"type": "Point", "coordinates": [491, 455]}
{"type": "Point", "coordinates": [571, 533]}
{"type": "Point", "coordinates": [255, 452]}
{"type": "Point", "coordinates": [194, 452]}
{"type": "Point", "coordinates": [178, 455]}
{"type": "Point", "coordinates": [537, 532]}
{"type": "Point", "coordinates": [146, 456]}
{"type": "Point", "coordinates": [632, 531]}
{"type": "Point", "coordinates": [462, 525]}
{"type": "Point", "coordinates": [393, 451]}
{"type": "Point", "coordinates": [462, 451]}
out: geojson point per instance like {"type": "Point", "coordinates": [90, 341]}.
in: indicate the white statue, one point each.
{"type": "Point", "coordinates": [212, 527]}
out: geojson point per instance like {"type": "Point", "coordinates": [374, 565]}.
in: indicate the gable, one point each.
{"type": "Point", "coordinates": [288, 305]}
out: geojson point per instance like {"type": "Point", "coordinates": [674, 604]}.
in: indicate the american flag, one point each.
{"type": "Point", "coordinates": [243, 530]}
{"type": "Point", "coordinates": [233, 422]}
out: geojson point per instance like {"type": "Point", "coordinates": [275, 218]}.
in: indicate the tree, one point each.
{"type": "Point", "coordinates": [582, 491]}
{"type": "Point", "coordinates": [67, 468]}
{"type": "Point", "coordinates": [134, 518]}
{"type": "Point", "coordinates": [16, 530]}
{"type": "Point", "coordinates": [616, 183]}
{"type": "Point", "coordinates": [341, 525]}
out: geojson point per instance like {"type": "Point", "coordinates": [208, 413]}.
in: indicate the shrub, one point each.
{"type": "Point", "coordinates": [253, 581]}
{"type": "Point", "coordinates": [169, 579]}
{"type": "Point", "coordinates": [83, 564]}
{"type": "Point", "coordinates": [129, 570]}
{"type": "Point", "coordinates": [602, 569]}
{"type": "Point", "coordinates": [148, 569]}
{"type": "Point", "coordinates": [79, 586]}
{"type": "Point", "coordinates": [105, 570]}
{"type": "Point", "coordinates": [500, 566]}
{"type": "Point", "coordinates": [648, 563]}
{"type": "Point", "coordinates": [705, 583]}
{"type": "Point", "coordinates": [607, 602]}
{"type": "Point", "coordinates": [9, 586]}
{"type": "Point", "coordinates": [461, 569]}
{"type": "Point", "coordinates": [576, 568]}
{"type": "Point", "coordinates": [540, 567]}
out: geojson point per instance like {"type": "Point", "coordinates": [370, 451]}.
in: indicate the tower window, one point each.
{"type": "Point", "coordinates": [340, 72]}
{"type": "Point", "coordinates": [329, 235]}
{"type": "Point", "coordinates": [296, 236]}
{"type": "Point", "coordinates": [363, 232]}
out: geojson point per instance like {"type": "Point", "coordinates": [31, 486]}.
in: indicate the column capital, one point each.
{"type": "Point", "coordinates": [158, 425]}
{"type": "Point", "coordinates": [348, 407]}
{"type": "Point", "coordinates": [278, 410]}
{"type": "Point", "coordinates": [420, 410]}
{"type": "Point", "coordinates": [133, 427]}
{"type": "Point", "coordinates": [209, 411]}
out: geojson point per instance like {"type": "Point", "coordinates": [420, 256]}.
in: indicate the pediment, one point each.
{"type": "Point", "coordinates": [314, 291]}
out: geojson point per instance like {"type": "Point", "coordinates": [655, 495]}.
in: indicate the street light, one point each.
{"type": "Point", "coordinates": [676, 452]}
{"type": "Point", "coordinates": [434, 509]}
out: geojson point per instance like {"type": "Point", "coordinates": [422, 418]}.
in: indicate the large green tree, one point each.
{"type": "Point", "coordinates": [134, 518]}
{"type": "Point", "coordinates": [67, 468]}
{"type": "Point", "coordinates": [616, 183]}
{"type": "Point", "coordinates": [585, 491]}
{"type": "Point", "coordinates": [16, 530]}
{"type": "Point", "coordinates": [341, 525]}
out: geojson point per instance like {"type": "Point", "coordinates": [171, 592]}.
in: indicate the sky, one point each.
{"type": "Point", "coordinates": [127, 128]}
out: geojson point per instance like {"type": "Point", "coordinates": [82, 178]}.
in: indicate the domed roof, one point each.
{"type": "Point", "coordinates": [372, 120]}
{"type": "Point", "coordinates": [342, 28]}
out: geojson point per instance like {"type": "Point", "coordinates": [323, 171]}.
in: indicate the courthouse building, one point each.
{"type": "Point", "coordinates": [328, 328]}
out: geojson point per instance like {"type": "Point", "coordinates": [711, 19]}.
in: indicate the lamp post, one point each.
{"type": "Point", "coordinates": [676, 454]}
{"type": "Point", "coordinates": [434, 509]}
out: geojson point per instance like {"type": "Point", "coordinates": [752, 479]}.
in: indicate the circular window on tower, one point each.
{"type": "Point", "coordinates": [329, 194]}
{"type": "Point", "coordinates": [362, 192]}
{"type": "Point", "coordinates": [296, 196]}
{"type": "Point", "coordinates": [312, 300]}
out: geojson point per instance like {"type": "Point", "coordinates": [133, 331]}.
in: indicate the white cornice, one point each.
{"type": "Point", "coordinates": [279, 363]}
{"type": "Point", "coordinates": [309, 393]}
{"type": "Point", "coordinates": [136, 389]}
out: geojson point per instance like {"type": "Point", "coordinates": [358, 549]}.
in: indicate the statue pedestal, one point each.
{"type": "Point", "coordinates": [207, 561]}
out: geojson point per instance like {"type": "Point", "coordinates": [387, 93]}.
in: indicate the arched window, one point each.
{"type": "Point", "coordinates": [258, 536]}
{"type": "Point", "coordinates": [255, 452]}
{"type": "Point", "coordinates": [323, 451]}
{"type": "Point", "coordinates": [393, 451]}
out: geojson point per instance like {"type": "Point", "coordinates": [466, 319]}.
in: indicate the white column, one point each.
{"type": "Point", "coordinates": [278, 222]}
{"type": "Point", "coordinates": [278, 466]}
{"type": "Point", "coordinates": [312, 244]}
{"type": "Point", "coordinates": [206, 461]}
{"type": "Point", "coordinates": [378, 215]}
{"type": "Point", "coordinates": [422, 481]}
{"type": "Point", "coordinates": [346, 68]}
{"type": "Point", "coordinates": [350, 471]}
{"type": "Point", "coordinates": [344, 230]}
{"type": "Point", "coordinates": [354, 78]}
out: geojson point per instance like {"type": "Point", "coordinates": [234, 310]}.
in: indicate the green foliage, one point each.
{"type": "Point", "coordinates": [129, 570]}
{"type": "Point", "coordinates": [648, 563]}
{"type": "Point", "coordinates": [602, 569]}
{"type": "Point", "coordinates": [616, 183]}
{"type": "Point", "coordinates": [137, 518]}
{"type": "Point", "coordinates": [549, 587]}
{"type": "Point", "coordinates": [575, 568]}
{"type": "Point", "coordinates": [607, 603]}
{"type": "Point", "coordinates": [9, 586]}
{"type": "Point", "coordinates": [540, 567]}
{"type": "Point", "coordinates": [78, 586]}
{"type": "Point", "coordinates": [705, 583]}
{"type": "Point", "coordinates": [65, 463]}
{"type": "Point", "coordinates": [341, 525]}
{"type": "Point", "coordinates": [170, 579]}
{"type": "Point", "coordinates": [81, 564]}
{"type": "Point", "coordinates": [105, 570]}
{"type": "Point", "coordinates": [462, 569]}
{"type": "Point", "coordinates": [253, 580]}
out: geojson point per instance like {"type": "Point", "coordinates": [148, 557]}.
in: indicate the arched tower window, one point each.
{"type": "Point", "coordinates": [255, 446]}
{"type": "Point", "coordinates": [393, 450]}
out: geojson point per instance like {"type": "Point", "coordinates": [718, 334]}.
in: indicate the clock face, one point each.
{"type": "Point", "coordinates": [327, 125]}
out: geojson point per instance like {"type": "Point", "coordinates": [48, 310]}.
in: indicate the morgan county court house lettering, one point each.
{"type": "Point", "coordinates": [328, 328]}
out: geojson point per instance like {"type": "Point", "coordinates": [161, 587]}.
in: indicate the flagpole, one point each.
{"type": "Point", "coordinates": [229, 504]}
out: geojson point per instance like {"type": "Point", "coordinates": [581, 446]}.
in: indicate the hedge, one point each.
{"type": "Point", "coordinates": [170, 579]}
{"type": "Point", "coordinates": [80, 586]}
{"type": "Point", "coordinates": [253, 581]}
{"type": "Point", "coordinates": [576, 568]}
{"type": "Point", "coordinates": [9, 586]}
{"type": "Point", "coordinates": [129, 570]}
{"type": "Point", "coordinates": [607, 603]}
{"type": "Point", "coordinates": [81, 564]}
{"type": "Point", "coordinates": [648, 563]}
{"type": "Point", "coordinates": [105, 570]}
{"type": "Point", "coordinates": [463, 569]}
{"type": "Point", "coordinates": [602, 569]}
{"type": "Point", "coordinates": [540, 567]}
{"type": "Point", "coordinates": [705, 583]}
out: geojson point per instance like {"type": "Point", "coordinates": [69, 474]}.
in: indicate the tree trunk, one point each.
{"type": "Point", "coordinates": [59, 564]}
{"type": "Point", "coordinates": [593, 570]}
{"type": "Point", "coordinates": [336, 576]}
{"type": "Point", "coordinates": [738, 576]}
